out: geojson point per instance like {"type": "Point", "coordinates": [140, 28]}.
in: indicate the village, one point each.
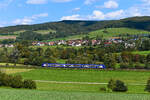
{"type": "Point", "coordinates": [79, 42]}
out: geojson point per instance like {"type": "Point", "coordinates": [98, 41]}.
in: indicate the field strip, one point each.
{"type": "Point", "coordinates": [94, 83]}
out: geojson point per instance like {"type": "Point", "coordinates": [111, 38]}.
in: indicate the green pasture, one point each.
{"type": "Point", "coordinates": [141, 52]}
{"type": "Point", "coordinates": [45, 31]}
{"type": "Point", "coordinates": [14, 70]}
{"type": "Point", "coordinates": [70, 87]}
{"type": "Point", "coordinates": [134, 79]}
{"type": "Point", "coordinates": [87, 75]}
{"type": "Point", "coordinates": [114, 32]}
{"type": "Point", "coordinates": [111, 32]}
{"type": "Point", "coordinates": [14, 94]}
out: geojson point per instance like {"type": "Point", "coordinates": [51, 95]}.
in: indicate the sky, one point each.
{"type": "Point", "coordinates": [23, 12]}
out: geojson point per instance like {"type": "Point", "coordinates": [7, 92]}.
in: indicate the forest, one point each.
{"type": "Point", "coordinates": [113, 56]}
{"type": "Point", "coordinates": [71, 27]}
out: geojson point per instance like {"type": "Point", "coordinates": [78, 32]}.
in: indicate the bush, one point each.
{"type": "Point", "coordinates": [16, 82]}
{"type": "Point", "coordinates": [148, 86]}
{"type": "Point", "coordinates": [103, 89]}
{"type": "Point", "coordinates": [120, 86]}
{"type": "Point", "coordinates": [29, 84]}
{"type": "Point", "coordinates": [117, 85]}
{"type": "Point", "coordinates": [111, 84]}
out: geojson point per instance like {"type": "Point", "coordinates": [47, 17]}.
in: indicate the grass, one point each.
{"type": "Point", "coordinates": [74, 37]}
{"type": "Point", "coordinates": [113, 32]}
{"type": "Point", "coordinates": [141, 52]}
{"type": "Point", "coordinates": [69, 87]}
{"type": "Point", "coordinates": [13, 94]}
{"type": "Point", "coordinates": [14, 70]}
{"type": "Point", "coordinates": [75, 75]}
{"type": "Point", "coordinates": [10, 64]}
{"type": "Point", "coordinates": [45, 31]}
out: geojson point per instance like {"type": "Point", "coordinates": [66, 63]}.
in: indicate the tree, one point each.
{"type": "Point", "coordinates": [120, 86]}
{"type": "Point", "coordinates": [109, 61]}
{"type": "Point", "coordinates": [29, 84]}
{"type": "Point", "coordinates": [16, 82]}
{"type": "Point", "coordinates": [147, 64]}
{"type": "Point", "coordinates": [48, 53]}
{"type": "Point", "coordinates": [111, 84]}
{"type": "Point", "coordinates": [117, 86]}
{"type": "Point", "coordinates": [147, 88]}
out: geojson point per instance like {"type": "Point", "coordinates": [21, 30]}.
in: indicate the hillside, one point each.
{"type": "Point", "coordinates": [69, 28]}
{"type": "Point", "coordinates": [115, 32]}
{"type": "Point", "coordinates": [106, 33]}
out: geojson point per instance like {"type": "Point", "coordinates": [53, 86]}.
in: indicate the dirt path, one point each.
{"type": "Point", "coordinates": [94, 83]}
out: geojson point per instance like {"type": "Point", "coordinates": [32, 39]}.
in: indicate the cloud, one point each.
{"type": "Point", "coordinates": [29, 20]}
{"type": "Point", "coordinates": [61, 1]}
{"type": "Point", "coordinates": [97, 15]}
{"type": "Point", "coordinates": [88, 2]}
{"type": "Point", "coordinates": [36, 1]}
{"type": "Point", "coordinates": [115, 15]}
{"type": "Point", "coordinates": [146, 1]}
{"type": "Point", "coordinates": [111, 4]}
{"type": "Point", "coordinates": [5, 3]}
{"type": "Point", "coordinates": [73, 17]}
{"type": "Point", "coordinates": [45, 1]}
{"type": "Point", "coordinates": [76, 9]}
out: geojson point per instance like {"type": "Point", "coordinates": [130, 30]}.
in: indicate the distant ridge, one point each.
{"type": "Point", "coordinates": [74, 27]}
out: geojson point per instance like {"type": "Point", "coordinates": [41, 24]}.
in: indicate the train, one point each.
{"type": "Point", "coordinates": [91, 66]}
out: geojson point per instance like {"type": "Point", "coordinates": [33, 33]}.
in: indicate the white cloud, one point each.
{"type": "Point", "coordinates": [146, 1]}
{"type": "Point", "coordinates": [5, 3]}
{"type": "Point", "coordinates": [73, 17]}
{"type": "Point", "coordinates": [29, 20]}
{"type": "Point", "coordinates": [76, 9]}
{"type": "Point", "coordinates": [87, 2]}
{"type": "Point", "coordinates": [61, 1]}
{"type": "Point", "coordinates": [36, 1]}
{"type": "Point", "coordinates": [45, 1]}
{"type": "Point", "coordinates": [97, 15]}
{"type": "Point", "coordinates": [115, 15]}
{"type": "Point", "coordinates": [111, 4]}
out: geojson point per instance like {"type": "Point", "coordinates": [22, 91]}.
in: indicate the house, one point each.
{"type": "Point", "coordinates": [40, 44]}
{"type": "Point", "coordinates": [51, 43]}
{"type": "Point", "coordinates": [129, 45]}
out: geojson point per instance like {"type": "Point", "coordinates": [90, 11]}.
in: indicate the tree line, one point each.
{"type": "Point", "coordinates": [22, 53]}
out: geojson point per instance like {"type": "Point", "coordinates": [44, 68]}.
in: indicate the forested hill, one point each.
{"type": "Point", "coordinates": [79, 27]}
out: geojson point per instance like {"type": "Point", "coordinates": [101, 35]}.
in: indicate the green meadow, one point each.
{"type": "Point", "coordinates": [76, 84]}
{"type": "Point", "coordinates": [13, 94]}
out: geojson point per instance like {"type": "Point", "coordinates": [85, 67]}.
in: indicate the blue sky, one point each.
{"type": "Point", "coordinates": [22, 12]}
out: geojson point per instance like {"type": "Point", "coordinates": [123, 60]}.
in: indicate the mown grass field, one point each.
{"type": "Point", "coordinates": [14, 70]}
{"type": "Point", "coordinates": [75, 91]}
{"type": "Point", "coordinates": [111, 32]}
{"type": "Point", "coordinates": [141, 52]}
{"type": "Point", "coordinates": [135, 80]}
{"type": "Point", "coordinates": [13, 94]}
{"type": "Point", "coordinates": [114, 32]}
{"type": "Point", "coordinates": [87, 75]}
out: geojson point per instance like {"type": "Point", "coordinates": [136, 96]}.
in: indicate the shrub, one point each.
{"type": "Point", "coordinates": [111, 84]}
{"type": "Point", "coordinates": [117, 85]}
{"type": "Point", "coordinates": [120, 86]}
{"type": "Point", "coordinates": [148, 85]}
{"type": "Point", "coordinates": [29, 84]}
{"type": "Point", "coordinates": [103, 89]}
{"type": "Point", "coordinates": [16, 82]}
